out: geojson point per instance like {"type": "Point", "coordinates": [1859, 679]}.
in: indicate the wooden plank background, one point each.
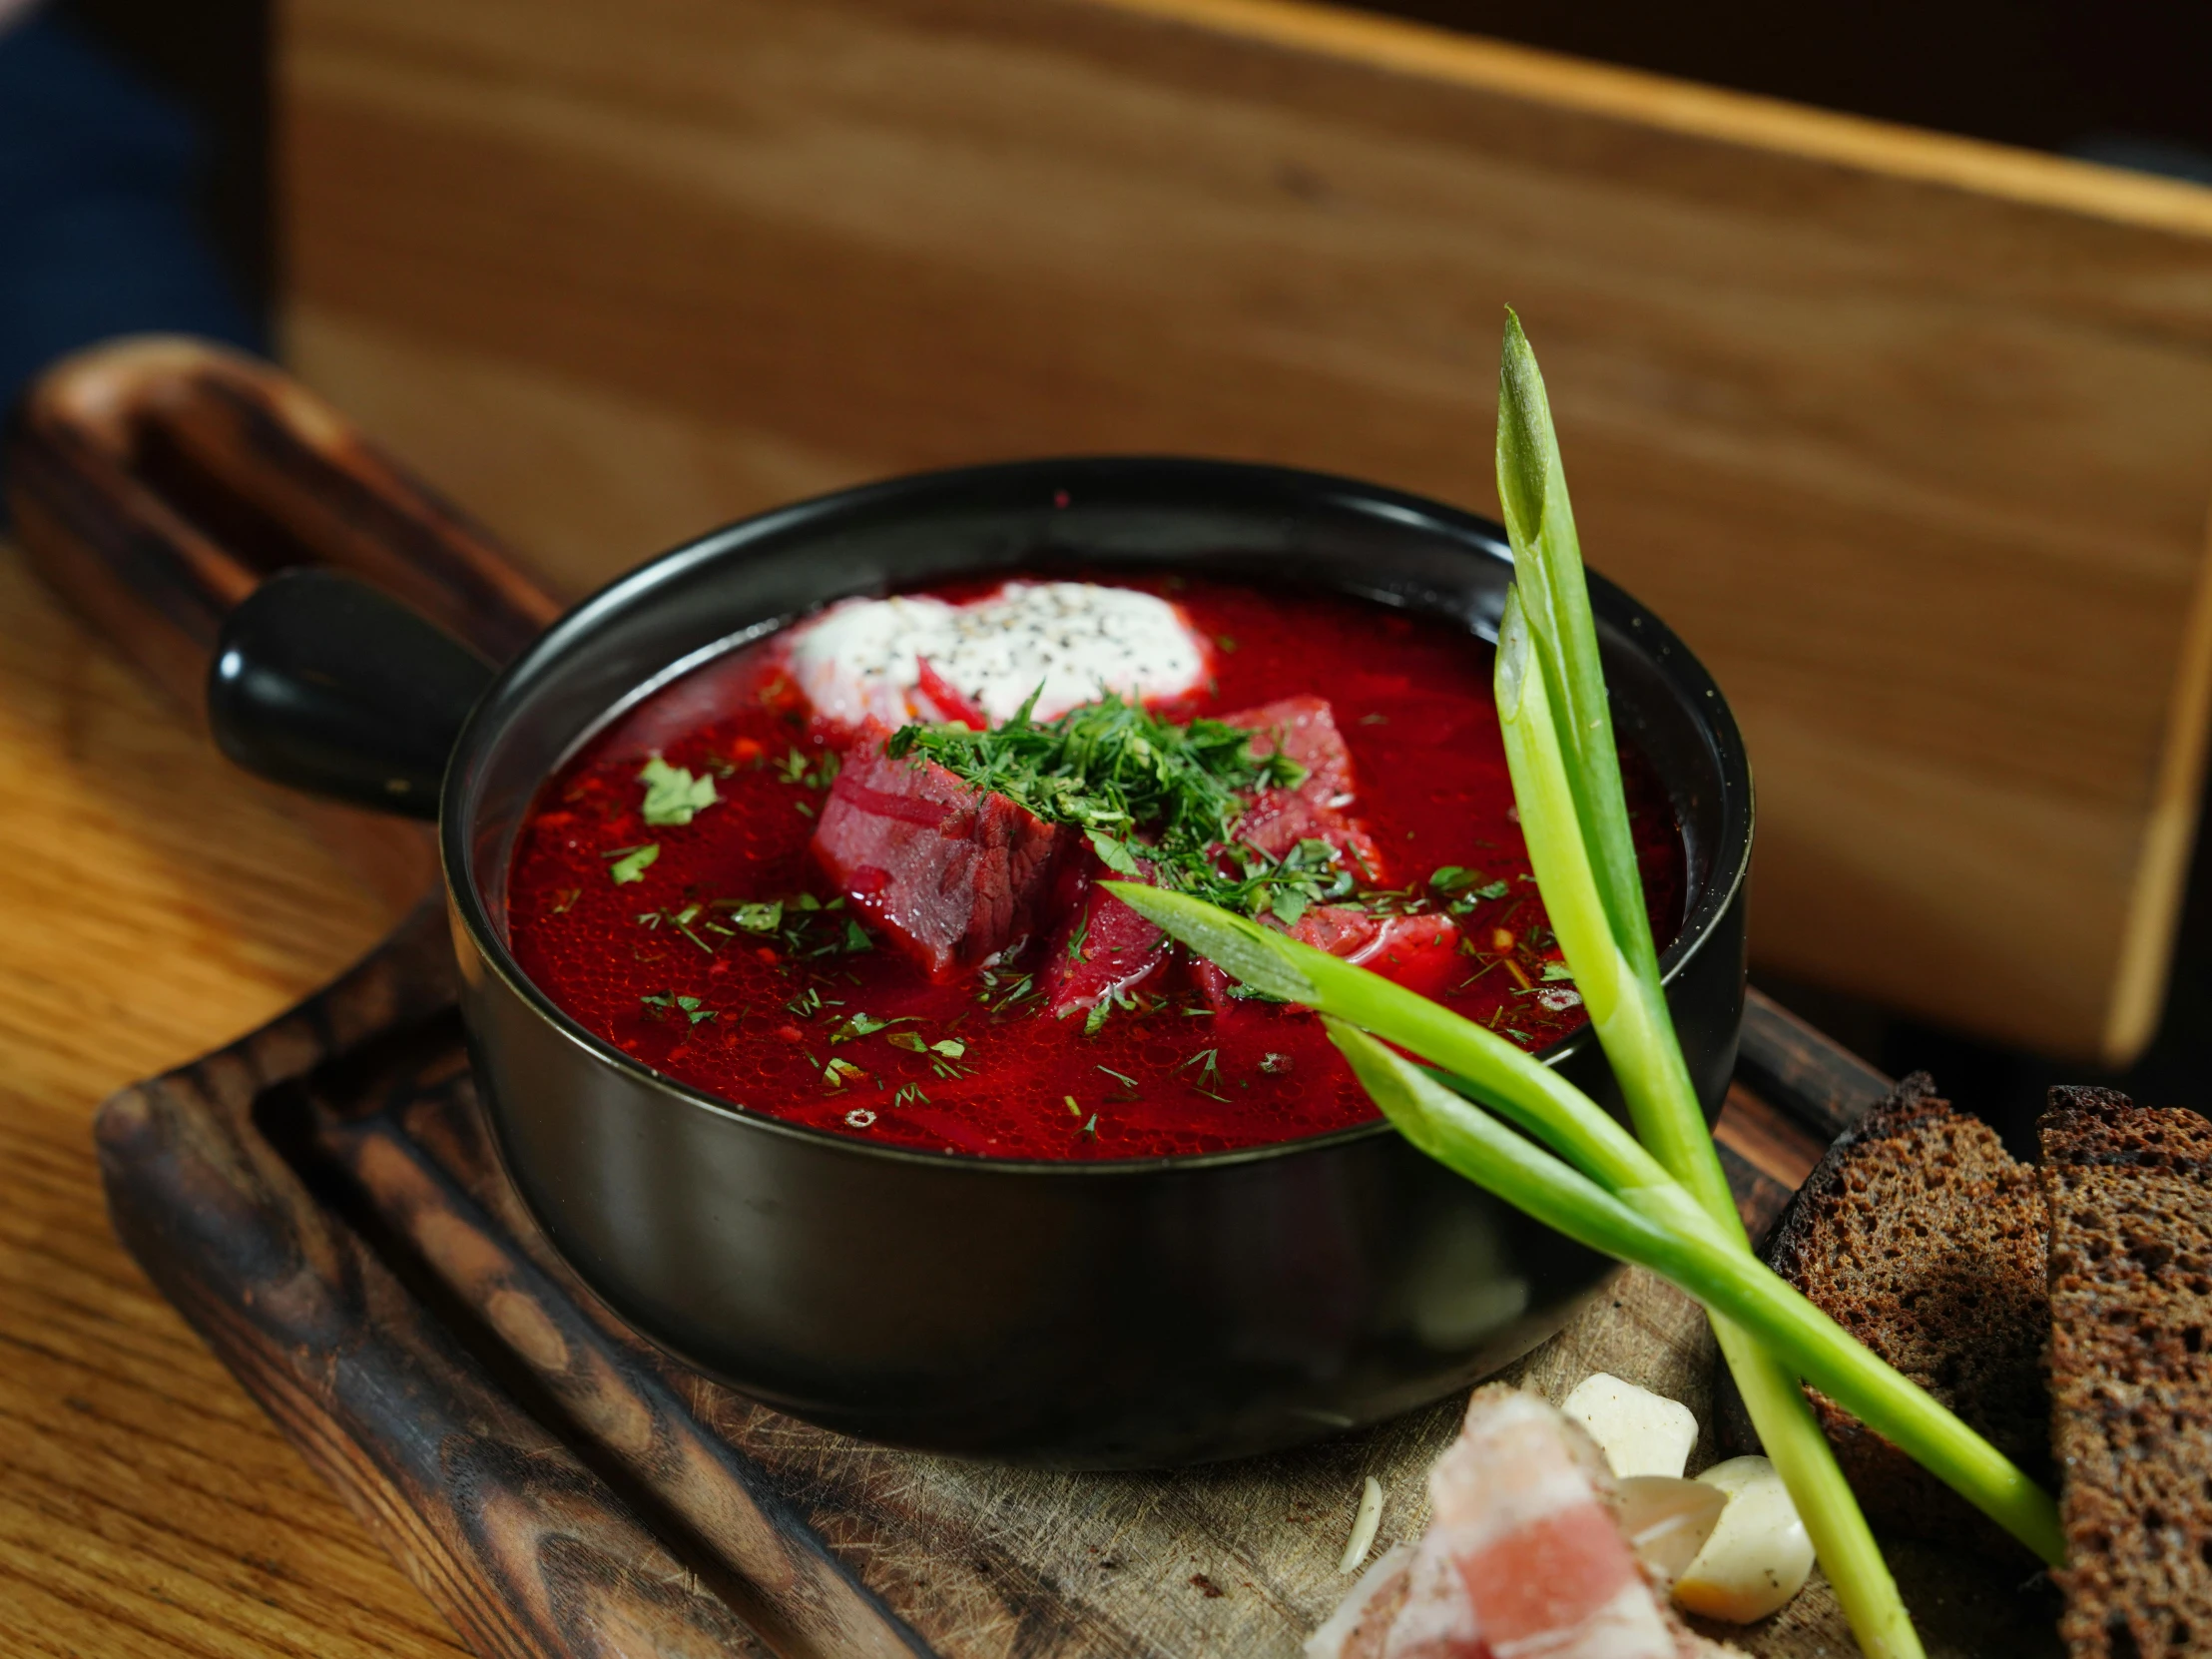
{"type": "Point", "coordinates": [1910, 436]}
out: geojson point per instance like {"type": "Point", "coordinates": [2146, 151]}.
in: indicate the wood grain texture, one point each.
{"type": "Point", "coordinates": [1784, 1058]}
{"type": "Point", "coordinates": [506, 1531]}
{"type": "Point", "coordinates": [1911, 437]}
{"type": "Point", "coordinates": [151, 904]}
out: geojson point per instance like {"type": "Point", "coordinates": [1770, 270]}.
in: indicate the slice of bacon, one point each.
{"type": "Point", "coordinates": [1523, 1557]}
{"type": "Point", "coordinates": [1519, 1504]}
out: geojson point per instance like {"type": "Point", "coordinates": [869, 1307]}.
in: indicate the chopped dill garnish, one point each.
{"type": "Point", "coordinates": [1208, 1061]}
{"type": "Point", "coordinates": [1001, 993]}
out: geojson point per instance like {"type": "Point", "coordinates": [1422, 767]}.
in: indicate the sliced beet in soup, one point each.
{"type": "Point", "coordinates": [848, 877]}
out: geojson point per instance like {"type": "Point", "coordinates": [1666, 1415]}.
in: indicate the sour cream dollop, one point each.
{"type": "Point", "coordinates": [860, 660]}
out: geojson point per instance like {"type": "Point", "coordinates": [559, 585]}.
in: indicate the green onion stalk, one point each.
{"type": "Point", "coordinates": [1657, 1197]}
{"type": "Point", "coordinates": [1559, 748]}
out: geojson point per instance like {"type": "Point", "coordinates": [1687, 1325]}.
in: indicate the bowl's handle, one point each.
{"type": "Point", "coordinates": [156, 481]}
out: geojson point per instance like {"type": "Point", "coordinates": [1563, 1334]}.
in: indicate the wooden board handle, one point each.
{"type": "Point", "coordinates": [154, 481]}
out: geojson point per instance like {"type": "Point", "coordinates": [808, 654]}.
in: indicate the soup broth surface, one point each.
{"type": "Point", "coordinates": [718, 952]}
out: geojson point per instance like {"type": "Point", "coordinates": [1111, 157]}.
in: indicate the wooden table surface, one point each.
{"type": "Point", "coordinates": [153, 903]}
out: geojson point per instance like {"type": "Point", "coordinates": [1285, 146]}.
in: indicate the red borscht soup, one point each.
{"type": "Point", "coordinates": [846, 876]}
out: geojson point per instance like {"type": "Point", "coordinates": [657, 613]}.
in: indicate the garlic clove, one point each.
{"type": "Point", "coordinates": [1666, 1520]}
{"type": "Point", "coordinates": [1639, 1431]}
{"type": "Point", "coordinates": [1759, 1553]}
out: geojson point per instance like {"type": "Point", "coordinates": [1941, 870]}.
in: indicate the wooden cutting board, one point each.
{"type": "Point", "coordinates": [321, 1203]}
{"type": "Point", "coordinates": [319, 1200]}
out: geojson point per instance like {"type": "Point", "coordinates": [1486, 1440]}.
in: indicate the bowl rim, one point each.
{"type": "Point", "coordinates": [1673, 658]}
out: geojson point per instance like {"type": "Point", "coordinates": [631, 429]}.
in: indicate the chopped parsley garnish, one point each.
{"type": "Point", "coordinates": [671, 794]}
{"type": "Point", "coordinates": [631, 862]}
{"type": "Point", "coordinates": [806, 926]}
{"type": "Point", "coordinates": [1464, 889]}
{"type": "Point", "coordinates": [763, 916]}
{"type": "Point", "coordinates": [688, 1006]}
{"type": "Point", "coordinates": [818, 774]}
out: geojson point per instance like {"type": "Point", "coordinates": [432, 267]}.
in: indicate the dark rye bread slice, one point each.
{"type": "Point", "coordinates": [2129, 1189]}
{"type": "Point", "coordinates": [1919, 1235]}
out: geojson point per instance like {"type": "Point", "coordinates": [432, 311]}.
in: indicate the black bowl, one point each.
{"type": "Point", "coordinates": [1138, 1313]}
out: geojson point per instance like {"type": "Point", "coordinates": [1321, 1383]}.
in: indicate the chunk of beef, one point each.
{"type": "Point", "coordinates": [1102, 947]}
{"type": "Point", "coordinates": [955, 875]}
{"type": "Point", "coordinates": [1305, 729]}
